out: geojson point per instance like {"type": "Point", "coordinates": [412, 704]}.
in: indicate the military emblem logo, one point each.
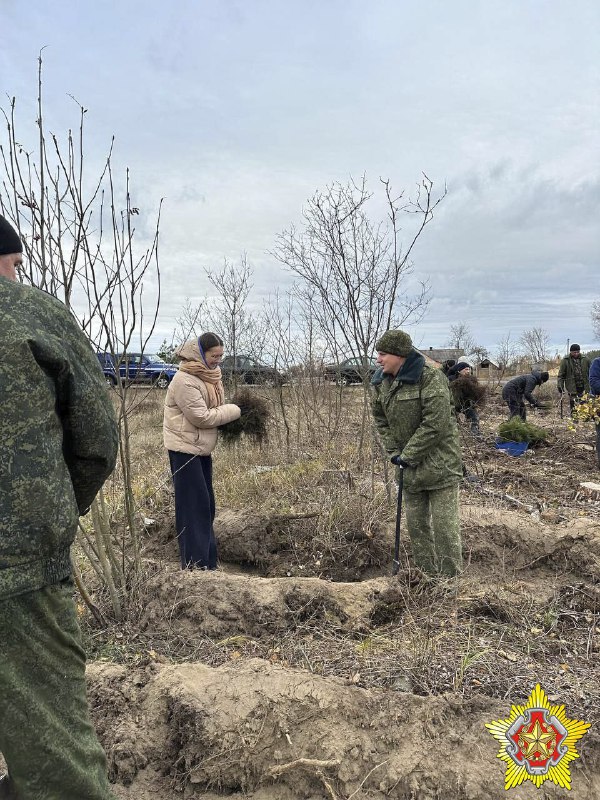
{"type": "Point", "coordinates": [537, 742]}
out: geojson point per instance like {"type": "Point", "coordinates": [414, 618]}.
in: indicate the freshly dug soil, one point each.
{"type": "Point", "coordinates": [253, 729]}
{"type": "Point", "coordinates": [303, 671]}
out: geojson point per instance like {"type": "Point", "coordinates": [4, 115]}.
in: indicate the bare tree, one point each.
{"type": "Point", "coordinates": [229, 314]}
{"type": "Point", "coordinates": [596, 318]}
{"type": "Point", "coordinates": [479, 353]}
{"type": "Point", "coordinates": [535, 343]}
{"type": "Point", "coordinates": [80, 245]}
{"type": "Point", "coordinates": [189, 323]}
{"type": "Point", "coordinates": [461, 338]}
{"type": "Point", "coordinates": [507, 352]}
{"type": "Point", "coordinates": [354, 273]}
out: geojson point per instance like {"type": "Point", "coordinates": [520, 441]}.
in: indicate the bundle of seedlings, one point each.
{"type": "Point", "coordinates": [252, 422]}
{"type": "Point", "coordinates": [467, 391]}
{"type": "Point", "coordinates": [518, 430]}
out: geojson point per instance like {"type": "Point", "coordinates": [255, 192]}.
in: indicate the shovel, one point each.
{"type": "Point", "coordinates": [561, 404]}
{"type": "Point", "coordinates": [396, 565]}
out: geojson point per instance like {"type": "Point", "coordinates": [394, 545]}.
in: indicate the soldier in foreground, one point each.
{"type": "Point", "coordinates": [412, 411]}
{"type": "Point", "coordinates": [58, 443]}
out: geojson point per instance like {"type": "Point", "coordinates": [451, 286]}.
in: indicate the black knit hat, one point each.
{"type": "Point", "coordinates": [575, 348]}
{"type": "Point", "coordinates": [544, 376]}
{"type": "Point", "coordinates": [398, 343]}
{"type": "Point", "coordinates": [460, 366]}
{"type": "Point", "coordinates": [10, 241]}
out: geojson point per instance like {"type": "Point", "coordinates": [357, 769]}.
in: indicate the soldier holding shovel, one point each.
{"type": "Point", "coordinates": [412, 410]}
{"type": "Point", "coordinates": [573, 376]}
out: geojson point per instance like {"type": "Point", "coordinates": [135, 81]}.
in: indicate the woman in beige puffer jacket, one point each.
{"type": "Point", "coordinates": [194, 409]}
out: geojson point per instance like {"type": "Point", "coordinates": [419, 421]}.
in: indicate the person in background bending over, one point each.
{"type": "Point", "coordinates": [595, 390]}
{"type": "Point", "coordinates": [412, 412]}
{"type": "Point", "coordinates": [58, 444]}
{"type": "Point", "coordinates": [573, 375]}
{"type": "Point", "coordinates": [194, 409]}
{"type": "Point", "coordinates": [519, 389]}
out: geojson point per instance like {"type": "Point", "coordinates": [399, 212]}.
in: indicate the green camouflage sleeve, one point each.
{"type": "Point", "coordinates": [85, 408]}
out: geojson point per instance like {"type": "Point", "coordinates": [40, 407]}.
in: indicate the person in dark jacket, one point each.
{"type": "Point", "coordinates": [412, 412]}
{"type": "Point", "coordinates": [594, 377]}
{"type": "Point", "coordinates": [519, 389]}
{"type": "Point", "coordinates": [58, 443]}
{"type": "Point", "coordinates": [447, 366]}
{"type": "Point", "coordinates": [573, 375]}
{"type": "Point", "coordinates": [466, 393]}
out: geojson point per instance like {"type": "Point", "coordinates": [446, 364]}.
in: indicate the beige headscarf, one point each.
{"type": "Point", "coordinates": [192, 362]}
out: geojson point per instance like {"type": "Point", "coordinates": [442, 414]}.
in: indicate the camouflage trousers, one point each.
{"type": "Point", "coordinates": [46, 735]}
{"type": "Point", "coordinates": [433, 527]}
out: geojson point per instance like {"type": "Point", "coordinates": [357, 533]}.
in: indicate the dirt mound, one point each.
{"type": "Point", "coordinates": [505, 547]}
{"type": "Point", "coordinates": [520, 541]}
{"type": "Point", "coordinates": [256, 730]}
{"type": "Point", "coordinates": [219, 604]}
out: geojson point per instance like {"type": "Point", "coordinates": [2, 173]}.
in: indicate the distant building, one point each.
{"type": "Point", "coordinates": [488, 370]}
{"type": "Point", "coordinates": [440, 354]}
{"type": "Point", "coordinates": [488, 363]}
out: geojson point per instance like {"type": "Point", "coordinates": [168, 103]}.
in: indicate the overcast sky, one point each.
{"type": "Point", "coordinates": [236, 111]}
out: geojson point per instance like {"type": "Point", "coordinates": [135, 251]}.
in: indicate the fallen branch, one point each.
{"type": "Point", "coordinates": [311, 763]}
{"type": "Point", "coordinates": [506, 497]}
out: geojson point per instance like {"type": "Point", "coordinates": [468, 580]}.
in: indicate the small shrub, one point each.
{"type": "Point", "coordinates": [517, 430]}
{"type": "Point", "coordinates": [587, 409]}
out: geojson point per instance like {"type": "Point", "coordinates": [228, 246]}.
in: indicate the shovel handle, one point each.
{"type": "Point", "coordinates": [396, 563]}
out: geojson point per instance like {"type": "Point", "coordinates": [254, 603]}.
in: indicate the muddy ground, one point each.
{"type": "Point", "coordinates": [302, 670]}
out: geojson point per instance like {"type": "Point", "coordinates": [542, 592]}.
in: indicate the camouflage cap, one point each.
{"type": "Point", "coordinates": [398, 343]}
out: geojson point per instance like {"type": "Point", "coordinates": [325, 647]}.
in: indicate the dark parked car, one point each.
{"type": "Point", "coordinates": [248, 370]}
{"type": "Point", "coordinates": [352, 370]}
{"type": "Point", "coordinates": [137, 368]}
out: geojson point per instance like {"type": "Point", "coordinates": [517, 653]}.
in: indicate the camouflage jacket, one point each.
{"type": "Point", "coordinates": [571, 371]}
{"type": "Point", "coordinates": [414, 417]}
{"type": "Point", "coordinates": [58, 436]}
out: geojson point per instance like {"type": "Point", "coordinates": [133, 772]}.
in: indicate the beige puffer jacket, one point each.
{"type": "Point", "coordinates": [189, 425]}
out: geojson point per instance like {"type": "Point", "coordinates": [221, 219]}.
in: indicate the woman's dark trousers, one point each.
{"type": "Point", "coordinates": [194, 510]}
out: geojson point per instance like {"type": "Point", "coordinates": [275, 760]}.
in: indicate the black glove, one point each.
{"type": "Point", "coordinates": [400, 462]}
